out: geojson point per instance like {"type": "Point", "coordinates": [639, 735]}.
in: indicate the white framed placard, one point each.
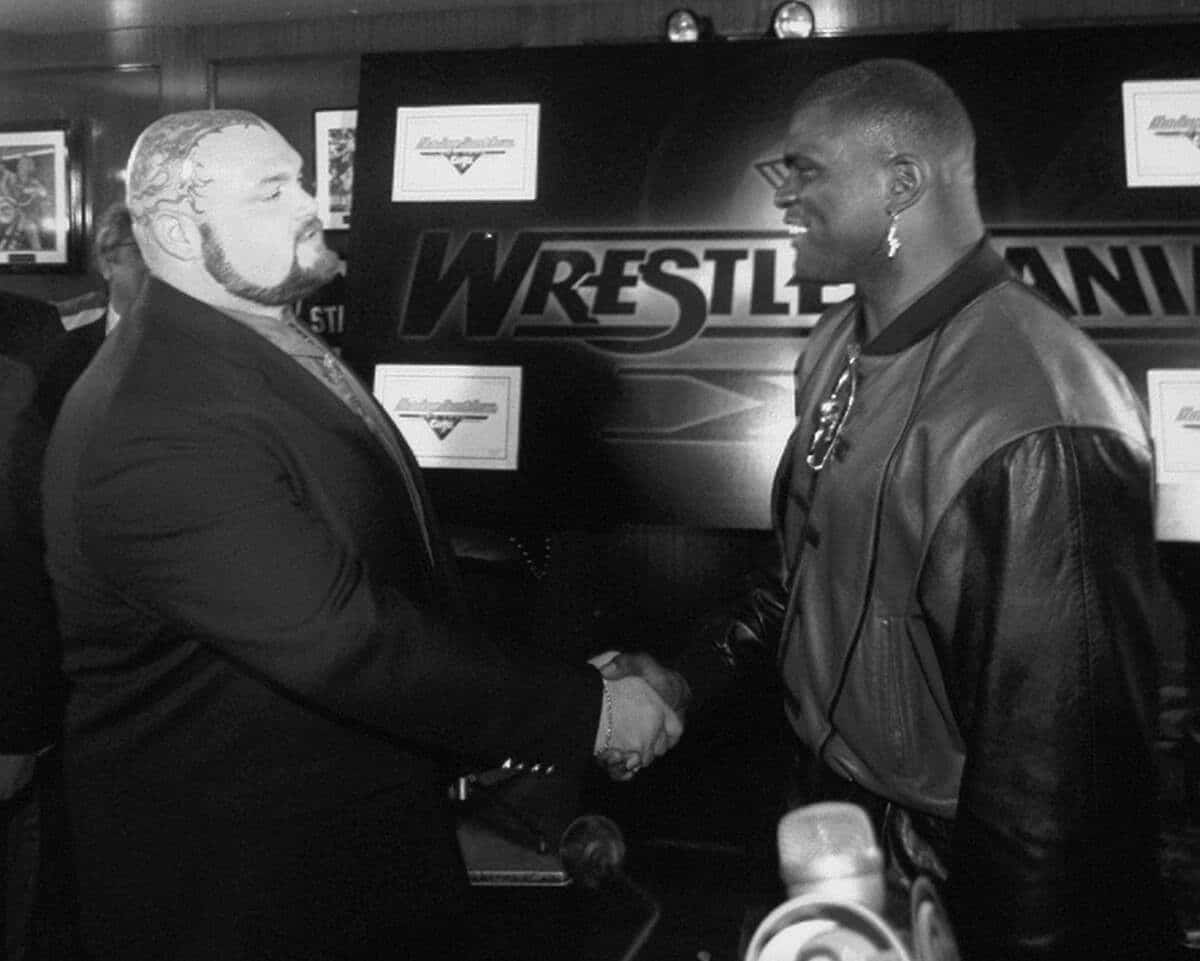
{"type": "Point", "coordinates": [1162, 132]}
{"type": "Point", "coordinates": [1174, 397]}
{"type": "Point", "coordinates": [475, 152]}
{"type": "Point", "coordinates": [454, 415]}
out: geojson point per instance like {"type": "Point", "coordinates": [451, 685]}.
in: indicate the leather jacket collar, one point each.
{"type": "Point", "coordinates": [982, 268]}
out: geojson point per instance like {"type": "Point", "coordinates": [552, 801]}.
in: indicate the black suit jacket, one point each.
{"type": "Point", "coordinates": [72, 351]}
{"type": "Point", "coordinates": [268, 669]}
{"type": "Point", "coordinates": [29, 329]}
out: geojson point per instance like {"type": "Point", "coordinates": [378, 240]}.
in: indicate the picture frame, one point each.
{"type": "Point", "coordinates": [41, 197]}
{"type": "Point", "coordinates": [333, 164]}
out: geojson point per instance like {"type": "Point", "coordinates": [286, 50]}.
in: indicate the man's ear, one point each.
{"type": "Point", "coordinates": [175, 235]}
{"type": "Point", "coordinates": [908, 180]}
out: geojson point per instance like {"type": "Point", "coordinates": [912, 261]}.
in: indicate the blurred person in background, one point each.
{"type": "Point", "coordinates": [90, 317]}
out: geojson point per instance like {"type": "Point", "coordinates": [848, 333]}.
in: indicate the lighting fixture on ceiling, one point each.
{"type": "Point", "coordinates": [687, 26]}
{"type": "Point", "coordinates": [792, 21]}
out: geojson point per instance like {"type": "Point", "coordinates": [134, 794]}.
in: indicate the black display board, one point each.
{"type": "Point", "coordinates": [646, 292]}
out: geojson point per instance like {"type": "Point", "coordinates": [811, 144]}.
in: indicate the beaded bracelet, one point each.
{"type": "Point", "coordinates": [608, 720]}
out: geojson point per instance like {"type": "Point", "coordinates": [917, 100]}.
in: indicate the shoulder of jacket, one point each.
{"type": "Point", "coordinates": [1013, 324]}
{"type": "Point", "coordinates": [1025, 307]}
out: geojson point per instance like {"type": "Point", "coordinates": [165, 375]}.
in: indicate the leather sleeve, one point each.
{"type": "Point", "coordinates": [1044, 598]}
{"type": "Point", "coordinates": [739, 641]}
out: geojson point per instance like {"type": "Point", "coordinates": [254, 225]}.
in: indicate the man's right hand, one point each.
{"type": "Point", "coordinates": [669, 684]}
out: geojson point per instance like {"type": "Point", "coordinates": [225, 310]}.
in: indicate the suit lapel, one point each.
{"type": "Point", "coordinates": [212, 331]}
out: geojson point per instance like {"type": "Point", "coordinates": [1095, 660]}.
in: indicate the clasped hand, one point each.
{"type": "Point", "coordinates": [646, 712]}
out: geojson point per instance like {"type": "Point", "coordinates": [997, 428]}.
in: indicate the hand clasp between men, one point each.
{"type": "Point", "coordinates": [647, 708]}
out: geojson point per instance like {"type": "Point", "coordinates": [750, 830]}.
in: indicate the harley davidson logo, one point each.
{"type": "Point", "coordinates": [1189, 417]}
{"type": "Point", "coordinates": [443, 416]}
{"type": "Point", "coordinates": [1183, 125]}
{"type": "Point", "coordinates": [463, 152]}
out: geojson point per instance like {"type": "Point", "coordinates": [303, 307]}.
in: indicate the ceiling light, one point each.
{"type": "Point", "coordinates": [792, 21]}
{"type": "Point", "coordinates": [686, 26]}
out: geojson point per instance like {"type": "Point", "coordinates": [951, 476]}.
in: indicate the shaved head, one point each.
{"type": "Point", "coordinates": [220, 211]}
{"type": "Point", "coordinates": [899, 106]}
{"type": "Point", "coordinates": [163, 173]}
{"type": "Point", "coordinates": [881, 184]}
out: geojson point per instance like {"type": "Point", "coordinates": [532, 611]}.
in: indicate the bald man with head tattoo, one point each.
{"type": "Point", "coordinates": [272, 667]}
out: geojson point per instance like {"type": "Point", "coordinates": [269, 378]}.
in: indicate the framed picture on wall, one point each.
{"type": "Point", "coordinates": [41, 187]}
{"type": "Point", "coordinates": [334, 163]}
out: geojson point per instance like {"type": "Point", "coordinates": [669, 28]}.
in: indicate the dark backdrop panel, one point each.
{"type": "Point", "coordinates": [110, 106]}
{"type": "Point", "coordinates": [647, 290]}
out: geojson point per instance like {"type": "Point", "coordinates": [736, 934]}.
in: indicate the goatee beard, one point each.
{"type": "Point", "coordinates": [298, 282]}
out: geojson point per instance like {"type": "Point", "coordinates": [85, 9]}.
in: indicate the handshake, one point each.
{"type": "Point", "coordinates": [642, 714]}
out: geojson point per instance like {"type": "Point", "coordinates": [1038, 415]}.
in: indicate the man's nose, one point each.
{"type": "Point", "coordinates": [306, 204]}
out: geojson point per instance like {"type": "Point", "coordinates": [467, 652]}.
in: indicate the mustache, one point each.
{"type": "Point", "coordinates": [312, 225]}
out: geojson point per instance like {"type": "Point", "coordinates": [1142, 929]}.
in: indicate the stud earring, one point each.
{"type": "Point", "coordinates": [893, 236]}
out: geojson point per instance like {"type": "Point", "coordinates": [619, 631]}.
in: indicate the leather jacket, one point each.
{"type": "Point", "coordinates": [966, 610]}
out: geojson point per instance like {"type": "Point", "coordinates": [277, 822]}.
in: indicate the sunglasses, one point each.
{"type": "Point", "coordinates": [833, 411]}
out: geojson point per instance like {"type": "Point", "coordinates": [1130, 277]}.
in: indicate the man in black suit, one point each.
{"type": "Point", "coordinates": [273, 674]}
{"type": "Point", "coordinates": [28, 647]}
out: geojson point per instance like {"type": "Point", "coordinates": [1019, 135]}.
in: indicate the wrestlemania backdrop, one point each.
{"type": "Point", "coordinates": [639, 274]}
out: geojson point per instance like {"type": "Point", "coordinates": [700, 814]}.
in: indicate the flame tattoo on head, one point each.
{"type": "Point", "coordinates": [163, 173]}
